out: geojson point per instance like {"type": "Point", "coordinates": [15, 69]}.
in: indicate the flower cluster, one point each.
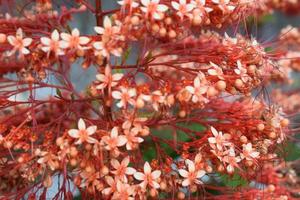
{"type": "Point", "coordinates": [183, 115]}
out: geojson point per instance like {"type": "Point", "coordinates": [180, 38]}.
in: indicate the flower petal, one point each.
{"type": "Point", "coordinates": [81, 124]}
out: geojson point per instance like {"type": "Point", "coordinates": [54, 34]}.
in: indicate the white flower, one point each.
{"type": "Point", "coordinates": [132, 139]}
{"type": "Point", "coordinates": [192, 175]}
{"type": "Point", "coordinates": [232, 160]}
{"type": "Point", "coordinates": [124, 191]}
{"type": "Point", "coordinates": [198, 90]}
{"type": "Point", "coordinates": [108, 29]}
{"type": "Point", "coordinates": [108, 79]}
{"type": "Point", "coordinates": [114, 140]}
{"type": "Point", "coordinates": [52, 44]}
{"type": "Point", "coordinates": [153, 8]}
{"type": "Point", "coordinates": [156, 99]}
{"type": "Point", "coordinates": [218, 139]}
{"type": "Point", "coordinates": [19, 43]}
{"type": "Point", "coordinates": [130, 3]}
{"type": "Point", "coordinates": [241, 71]}
{"type": "Point", "coordinates": [148, 177]}
{"type": "Point", "coordinates": [105, 51]}
{"type": "Point", "coordinates": [215, 71]}
{"type": "Point", "coordinates": [82, 133]}
{"type": "Point", "coordinates": [200, 4]}
{"type": "Point", "coordinates": [125, 95]}
{"type": "Point", "coordinates": [122, 169]}
{"type": "Point", "coordinates": [182, 7]}
{"type": "Point", "coordinates": [224, 5]}
{"type": "Point", "coordinates": [248, 152]}
{"type": "Point", "coordinates": [73, 40]}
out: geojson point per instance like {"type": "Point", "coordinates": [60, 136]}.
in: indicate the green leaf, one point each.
{"type": "Point", "coordinates": [233, 181]}
{"type": "Point", "coordinates": [291, 151]}
{"type": "Point", "coordinates": [149, 154]}
{"type": "Point", "coordinates": [58, 92]}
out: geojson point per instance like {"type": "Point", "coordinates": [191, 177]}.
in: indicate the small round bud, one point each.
{"type": "Point", "coordinates": [73, 162]}
{"type": "Point", "coordinates": [238, 83]}
{"type": "Point", "coordinates": [180, 195]}
{"type": "Point", "coordinates": [20, 159]}
{"type": "Point", "coordinates": [73, 151]}
{"type": "Point", "coordinates": [145, 132]}
{"type": "Point", "coordinates": [212, 92]}
{"type": "Point", "coordinates": [285, 122]}
{"type": "Point", "coordinates": [260, 127]}
{"type": "Point", "coordinates": [162, 32]}
{"type": "Point", "coordinates": [197, 20]}
{"type": "Point", "coordinates": [271, 188]}
{"type": "Point", "coordinates": [47, 183]}
{"type": "Point", "coordinates": [172, 34]}
{"type": "Point", "coordinates": [168, 20]}
{"type": "Point", "coordinates": [59, 141]}
{"type": "Point", "coordinates": [220, 168]}
{"type": "Point", "coordinates": [193, 188]}
{"type": "Point", "coordinates": [251, 69]}
{"type": "Point", "coordinates": [88, 169]}
{"type": "Point", "coordinates": [135, 20]}
{"type": "Point", "coordinates": [221, 85]}
{"type": "Point", "coordinates": [249, 163]}
{"type": "Point", "coordinates": [88, 147]}
{"type": "Point", "coordinates": [140, 103]}
{"type": "Point", "coordinates": [153, 192]}
{"type": "Point", "coordinates": [163, 185]}
{"type": "Point", "coordinates": [208, 169]}
{"type": "Point", "coordinates": [2, 38]}
{"type": "Point", "coordinates": [80, 52]}
{"type": "Point", "coordinates": [182, 113]}
{"type": "Point", "coordinates": [272, 135]}
{"type": "Point", "coordinates": [243, 139]}
{"type": "Point", "coordinates": [104, 170]}
{"type": "Point", "coordinates": [155, 28]}
{"type": "Point", "coordinates": [8, 144]}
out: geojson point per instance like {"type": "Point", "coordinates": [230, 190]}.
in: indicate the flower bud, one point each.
{"type": "Point", "coordinates": [221, 85]}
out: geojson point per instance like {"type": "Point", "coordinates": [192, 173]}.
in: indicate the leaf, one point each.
{"type": "Point", "coordinates": [291, 151]}
{"type": "Point", "coordinates": [58, 93]}
{"type": "Point", "coordinates": [149, 154]}
{"type": "Point", "coordinates": [233, 181]}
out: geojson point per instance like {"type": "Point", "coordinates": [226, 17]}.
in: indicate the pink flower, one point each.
{"type": "Point", "coordinates": [232, 160]}
{"type": "Point", "coordinates": [198, 90]}
{"type": "Point", "coordinates": [240, 70]}
{"type": "Point", "coordinates": [112, 185]}
{"type": "Point", "coordinates": [200, 4]}
{"type": "Point", "coordinates": [182, 7]}
{"type": "Point", "coordinates": [107, 79]}
{"type": "Point", "coordinates": [49, 159]}
{"type": "Point", "coordinates": [215, 71]}
{"type": "Point", "coordinates": [52, 44]}
{"type": "Point", "coordinates": [82, 133]}
{"type": "Point", "coordinates": [122, 169]}
{"type": "Point", "coordinates": [153, 9]}
{"type": "Point", "coordinates": [156, 99]}
{"type": "Point", "coordinates": [248, 152]}
{"type": "Point", "coordinates": [130, 3]}
{"type": "Point", "coordinates": [19, 43]}
{"type": "Point", "coordinates": [224, 5]}
{"type": "Point", "coordinates": [105, 51]}
{"type": "Point", "coordinates": [148, 177]}
{"type": "Point", "coordinates": [132, 139]}
{"type": "Point", "coordinates": [218, 139]}
{"type": "Point", "coordinates": [124, 191]}
{"type": "Point", "coordinates": [192, 175]}
{"type": "Point", "coordinates": [125, 95]}
{"type": "Point", "coordinates": [108, 29]}
{"type": "Point", "coordinates": [73, 40]}
{"type": "Point", "coordinates": [114, 140]}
